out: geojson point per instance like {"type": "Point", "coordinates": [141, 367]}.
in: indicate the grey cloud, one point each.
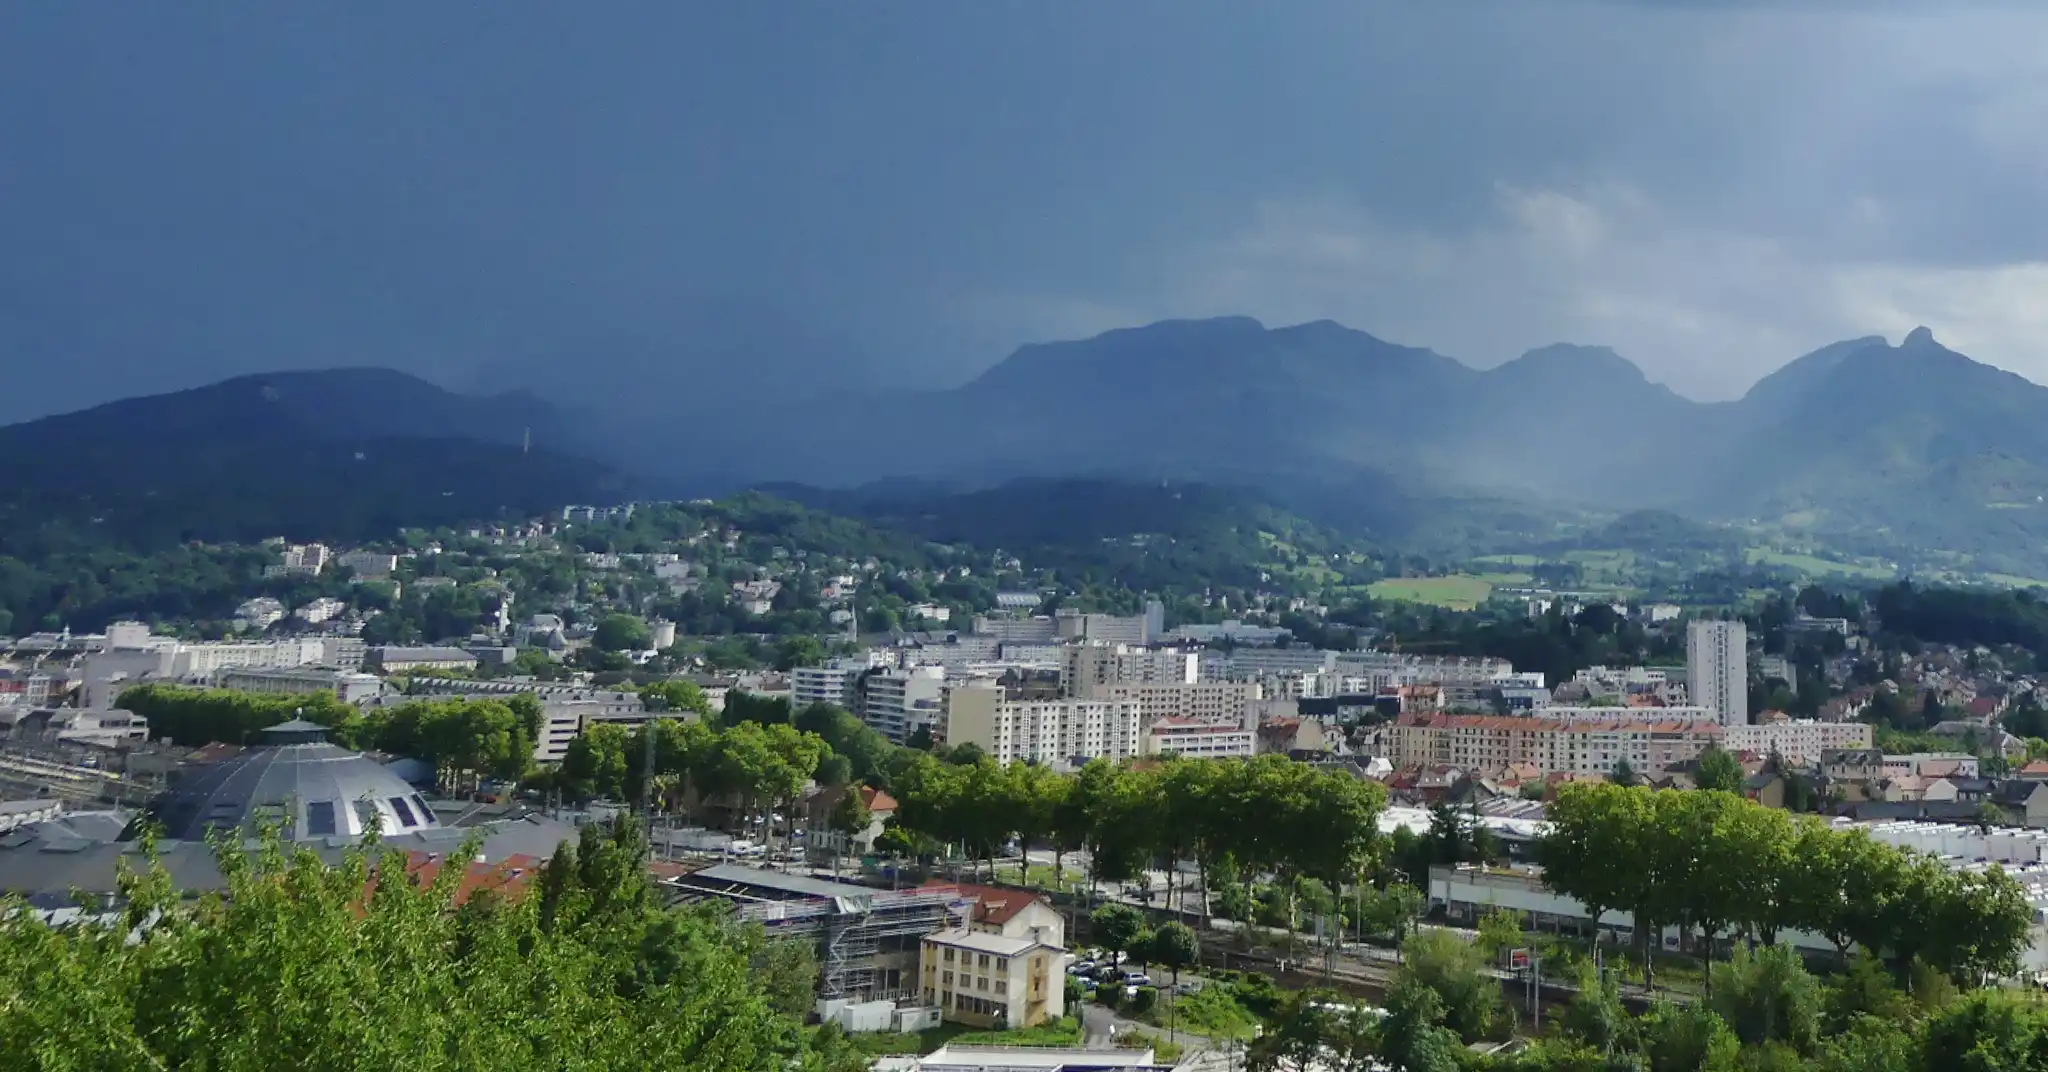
{"type": "Point", "coordinates": [915, 189]}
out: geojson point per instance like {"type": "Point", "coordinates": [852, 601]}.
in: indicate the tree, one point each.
{"type": "Point", "coordinates": [1991, 1031]}
{"type": "Point", "coordinates": [1174, 946]}
{"type": "Point", "coordinates": [1393, 910]}
{"type": "Point", "coordinates": [849, 817]}
{"type": "Point", "coordinates": [1766, 996]}
{"type": "Point", "coordinates": [1688, 1038]}
{"type": "Point", "coordinates": [1623, 774]}
{"type": "Point", "coordinates": [372, 964]}
{"type": "Point", "coordinates": [1419, 1032]}
{"type": "Point", "coordinates": [1499, 931]}
{"type": "Point", "coordinates": [1596, 1015]}
{"type": "Point", "coordinates": [1718, 770]}
{"type": "Point", "coordinates": [1456, 971]}
{"type": "Point", "coordinates": [795, 651]}
{"type": "Point", "coordinates": [1117, 927]}
{"type": "Point", "coordinates": [1311, 1034]}
{"type": "Point", "coordinates": [621, 632]}
{"type": "Point", "coordinates": [594, 765]}
{"type": "Point", "coordinates": [676, 695]}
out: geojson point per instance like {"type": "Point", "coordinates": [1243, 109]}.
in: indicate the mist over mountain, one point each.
{"type": "Point", "coordinates": [1912, 443]}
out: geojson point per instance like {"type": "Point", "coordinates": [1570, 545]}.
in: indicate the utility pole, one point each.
{"type": "Point", "coordinates": [647, 779]}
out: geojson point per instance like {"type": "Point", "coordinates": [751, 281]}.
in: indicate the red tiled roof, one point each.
{"type": "Point", "coordinates": [993, 905]}
{"type": "Point", "coordinates": [878, 801]}
{"type": "Point", "coordinates": [510, 876]}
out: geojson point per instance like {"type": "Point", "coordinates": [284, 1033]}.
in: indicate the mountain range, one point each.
{"type": "Point", "coordinates": [339, 454]}
{"type": "Point", "coordinates": [1862, 440]}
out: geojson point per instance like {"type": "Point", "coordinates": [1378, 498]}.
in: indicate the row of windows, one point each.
{"type": "Point", "coordinates": [412, 813]}
{"type": "Point", "coordinates": [981, 960]}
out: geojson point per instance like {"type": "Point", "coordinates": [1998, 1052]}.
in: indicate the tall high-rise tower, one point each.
{"type": "Point", "coordinates": [1717, 669]}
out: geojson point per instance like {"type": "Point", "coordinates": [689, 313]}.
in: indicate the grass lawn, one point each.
{"type": "Point", "coordinates": [1209, 1011]}
{"type": "Point", "coordinates": [2013, 580]}
{"type": "Point", "coordinates": [1758, 556]}
{"type": "Point", "coordinates": [1459, 591]}
{"type": "Point", "coordinates": [1163, 1051]}
{"type": "Point", "coordinates": [1066, 1032]}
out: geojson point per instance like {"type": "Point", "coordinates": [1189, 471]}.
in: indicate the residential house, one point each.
{"type": "Point", "coordinates": [1292, 733]}
{"type": "Point", "coordinates": [1012, 913]}
{"type": "Point", "coordinates": [2023, 800]}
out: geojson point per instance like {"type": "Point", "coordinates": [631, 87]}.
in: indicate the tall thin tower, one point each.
{"type": "Point", "coordinates": [1717, 669]}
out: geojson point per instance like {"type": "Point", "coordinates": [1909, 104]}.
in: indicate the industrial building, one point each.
{"type": "Point", "coordinates": [867, 939]}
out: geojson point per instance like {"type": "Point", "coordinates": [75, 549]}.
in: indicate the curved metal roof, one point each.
{"type": "Point", "coordinates": [314, 789]}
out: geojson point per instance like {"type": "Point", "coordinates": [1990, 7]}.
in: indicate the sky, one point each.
{"type": "Point", "coordinates": [900, 194]}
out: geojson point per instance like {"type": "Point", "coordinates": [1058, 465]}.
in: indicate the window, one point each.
{"type": "Point", "coordinates": [320, 818]}
{"type": "Point", "coordinates": [366, 814]}
{"type": "Point", "coordinates": [947, 979]}
{"type": "Point", "coordinates": [403, 811]}
{"type": "Point", "coordinates": [981, 961]}
{"type": "Point", "coordinates": [1002, 987]}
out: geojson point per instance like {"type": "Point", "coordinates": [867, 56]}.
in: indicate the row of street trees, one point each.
{"type": "Point", "coordinates": [1234, 819]}
{"type": "Point", "coordinates": [1714, 865]}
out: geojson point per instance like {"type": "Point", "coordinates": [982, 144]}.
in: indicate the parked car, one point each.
{"type": "Point", "coordinates": [1136, 978]}
{"type": "Point", "coordinates": [1081, 967]}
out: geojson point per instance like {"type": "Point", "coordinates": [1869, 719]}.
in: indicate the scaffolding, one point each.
{"type": "Point", "coordinates": [853, 927]}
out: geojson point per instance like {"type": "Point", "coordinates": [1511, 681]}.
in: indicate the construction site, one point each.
{"type": "Point", "coordinates": [867, 939]}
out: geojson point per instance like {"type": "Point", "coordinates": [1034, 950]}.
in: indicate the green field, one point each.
{"type": "Point", "coordinates": [1459, 591]}
{"type": "Point", "coordinates": [1811, 564]}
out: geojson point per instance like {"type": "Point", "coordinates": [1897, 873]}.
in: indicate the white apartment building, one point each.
{"type": "Point", "coordinates": [1232, 630]}
{"type": "Point", "coordinates": [368, 565]}
{"type": "Point", "coordinates": [1137, 629]}
{"type": "Point", "coordinates": [1717, 668]}
{"type": "Point", "coordinates": [565, 710]}
{"type": "Point", "coordinates": [832, 683]}
{"type": "Point", "coordinates": [896, 703]}
{"type": "Point", "coordinates": [1091, 666]}
{"type": "Point", "coordinates": [320, 610]}
{"type": "Point", "coordinates": [1489, 742]}
{"type": "Point", "coordinates": [1251, 663]}
{"type": "Point", "coordinates": [348, 686]}
{"type": "Point", "coordinates": [1055, 733]}
{"type": "Point", "coordinates": [133, 655]}
{"type": "Point", "coordinates": [260, 613]}
{"type": "Point", "coordinates": [308, 558]}
{"type": "Point", "coordinates": [1210, 701]}
{"type": "Point", "coordinates": [1199, 740]}
{"type": "Point", "coordinates": [1036, 630]}
{"type": "Point", "coordinates": [1798, 741]}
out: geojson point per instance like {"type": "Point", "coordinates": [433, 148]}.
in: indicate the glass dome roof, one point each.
{"type": "Point", "coordinates": [313, 789]}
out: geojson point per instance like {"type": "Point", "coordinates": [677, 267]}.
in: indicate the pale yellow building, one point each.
{"type": "Point", "coordinates": [992, 980]}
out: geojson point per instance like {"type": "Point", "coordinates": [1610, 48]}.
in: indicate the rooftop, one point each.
{"type": "Point", "coordinates": [983, 942]}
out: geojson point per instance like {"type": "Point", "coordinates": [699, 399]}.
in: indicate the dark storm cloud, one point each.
{"type": "Point", "coordinates": [904, 192]}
